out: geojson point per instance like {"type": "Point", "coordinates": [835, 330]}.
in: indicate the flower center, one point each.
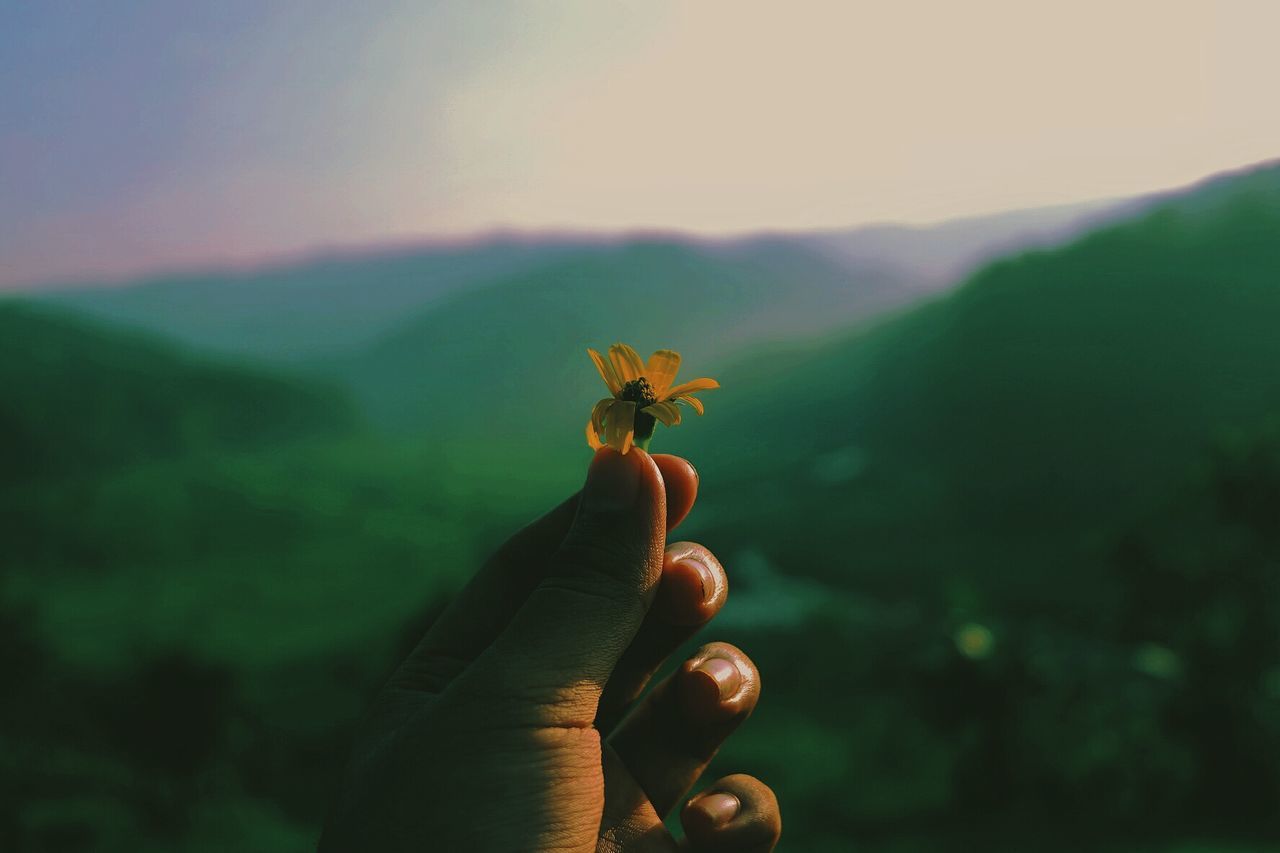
{"type": "Point", "coordinates": [640, 392]}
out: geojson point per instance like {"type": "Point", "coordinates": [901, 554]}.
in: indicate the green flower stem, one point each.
{"type": "Point", "coordinates": [645, 426]}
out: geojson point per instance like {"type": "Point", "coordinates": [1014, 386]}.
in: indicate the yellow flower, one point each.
{"type": "Point", "coordinates": [642, 395]}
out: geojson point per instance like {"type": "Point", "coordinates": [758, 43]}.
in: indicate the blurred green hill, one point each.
{"type": "Point", "coordinates": [343, 301]}
{"type": "Point", "coordinates": [718, 298]}
{"type": "Point", "coordinates": [301, 309]}
{"type": "Point", "coordinates": [408, 330]}
{"type": "Point", "coordinates": [468, 364]}
{"type": "Point", "coordinates": [1054, 393]}
{"type": "Point", "coordinates": [1033, 522]}
{"type": "Point", "coordinates": [79, 397]}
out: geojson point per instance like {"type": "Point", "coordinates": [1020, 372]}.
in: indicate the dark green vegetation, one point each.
{"type": "Point", "coordinates": [1009, 560]}
{"type": "Point", "coordinates": [77, 399]}
{"type": "Point", "coordinates": [1077, 451]}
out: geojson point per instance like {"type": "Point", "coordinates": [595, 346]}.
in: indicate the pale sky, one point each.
{"type": "Point", "coordinates": [148, 135]}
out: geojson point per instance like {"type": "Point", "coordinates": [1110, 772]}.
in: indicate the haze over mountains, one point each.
{"type": "Point", "coordinates": [302, 309]}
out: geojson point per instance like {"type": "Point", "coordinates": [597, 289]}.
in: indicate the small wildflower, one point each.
{"type": "Point", "coordinates": [643, 394]}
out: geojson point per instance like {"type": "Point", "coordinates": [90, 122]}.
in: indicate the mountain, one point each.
{"type": "Point", "coordinates": [320, 307]}
{"type": "Point", "coordinates": [501, 351]}
{"type": "Point", "coordinates": [1051, 397]}
{"type": "Point", "coordinates": [300, 310]}
{"type": "Point", "coordinates": [79, 397]}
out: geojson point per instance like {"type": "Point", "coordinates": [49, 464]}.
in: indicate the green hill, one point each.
{"type": "Point", "coordinates": [79, 397]}
{"type": "Point", "coordinates": [1031, 527]}
{"type": "Point", "coordinates": [342, 301]}
{"type": "Point", "coordinates": [1051, 396]}
{"type": "Point", "coordinates": [490, 353]}
{"type": "Point", "coordinates": [304, 309]}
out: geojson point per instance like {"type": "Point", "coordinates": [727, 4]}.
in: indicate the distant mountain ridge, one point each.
{"type": "Point", "coordinates": [296, 311]}
{"type": "Point", "coordinates": [508, 346]}
{"type": "Point", "coordinates": [948, 251]}
{"type": "Point", "coordinates": [311, 308]}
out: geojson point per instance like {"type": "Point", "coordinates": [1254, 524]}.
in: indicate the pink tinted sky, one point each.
{"type": "Point", "coordinates": [150, 135]}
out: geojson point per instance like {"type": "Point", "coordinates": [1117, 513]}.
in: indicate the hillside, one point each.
{"type": "Point", "coordinates": [300, 310]}
{"type": "Point", "coordinates": [477, 360]}
{"type": "Point", "coordinates": [1048, 398]}
{"type": "Point", "coordinates": [339, 302]}
{"type": "Point", "coordinates": [79, 397]}
{"type": "Point", "coordinates": [1032, 526]}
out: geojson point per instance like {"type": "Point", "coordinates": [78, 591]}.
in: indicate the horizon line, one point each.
{"type": "Point", "coordinates": [408, 244]}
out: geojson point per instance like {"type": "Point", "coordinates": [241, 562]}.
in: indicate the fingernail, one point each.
{"type": "Point", "coordinates": [723, 673]}
{"type": "Point", "coordinates": [719, 808]}
{"type": "Point", "coordinates": [613, 480]}
{"type": "Point", "coordinates": [705, 575]}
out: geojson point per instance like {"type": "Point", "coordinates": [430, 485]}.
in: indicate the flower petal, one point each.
{"type": "Point", "coordinates": [593, 438]}
{"type": "Point", "coordinates": [689, 387]}
{"type": "Point", "coordinates": [607, 372]}
{"type": "Point", "coordinates": [599, 412]}
{"type": "Point", "coordinates": [620, 429]}
{"type": "Point", "coordinates": [662, 369]}
{"type": "Point", "coordinates": [694, 402]}
{"type": "Point", "coordinates": [667, 412]}
{"type": "Point", "coordinates": [626, 362]}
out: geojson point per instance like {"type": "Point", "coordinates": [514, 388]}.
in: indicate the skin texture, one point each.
{"type": "Point", "coordinates": [521, 721]}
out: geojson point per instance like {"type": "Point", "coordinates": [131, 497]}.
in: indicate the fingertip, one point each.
{"type": "Point", "coordinates": [719, 683]}
{"type": "Point", "coordinates": [614, 481]}
{"type": "Point", "coordinates": [694, 585]}
{"type": "Point", "coordinates": [707, 813]}
{"type": "Point", "coordinates": [712, 682]}
{"type": "Point", "coordinates": [738, 812]}
{"type": "Point", "coordinates": [681, 481]}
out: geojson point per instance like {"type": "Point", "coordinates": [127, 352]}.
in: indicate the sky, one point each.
{"type": "Point", "coordinates": [158, 135]}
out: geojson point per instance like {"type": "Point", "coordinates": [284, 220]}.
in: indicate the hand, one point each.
{"type": "Point", "coordinates": [515, 726]}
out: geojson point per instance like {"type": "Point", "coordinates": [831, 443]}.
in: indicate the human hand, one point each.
{"type": "Point", "coordinates": [515, 726]}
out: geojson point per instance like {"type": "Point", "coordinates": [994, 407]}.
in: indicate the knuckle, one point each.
{"type": "Point", "coordinates": [594, 590]}
{"type": "Point", "coordinates": [535, 700]}
{"type": "Point", "coordinates": [608, 560]}
{"type": "Point", "coordinates": [429, 672]}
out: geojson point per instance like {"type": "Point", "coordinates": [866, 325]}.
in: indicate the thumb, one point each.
{"type": "Point", "coordinates": [559, 649]}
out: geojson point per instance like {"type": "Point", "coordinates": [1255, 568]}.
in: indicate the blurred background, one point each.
{"type": "Point", "coordinates": [296, 303]}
